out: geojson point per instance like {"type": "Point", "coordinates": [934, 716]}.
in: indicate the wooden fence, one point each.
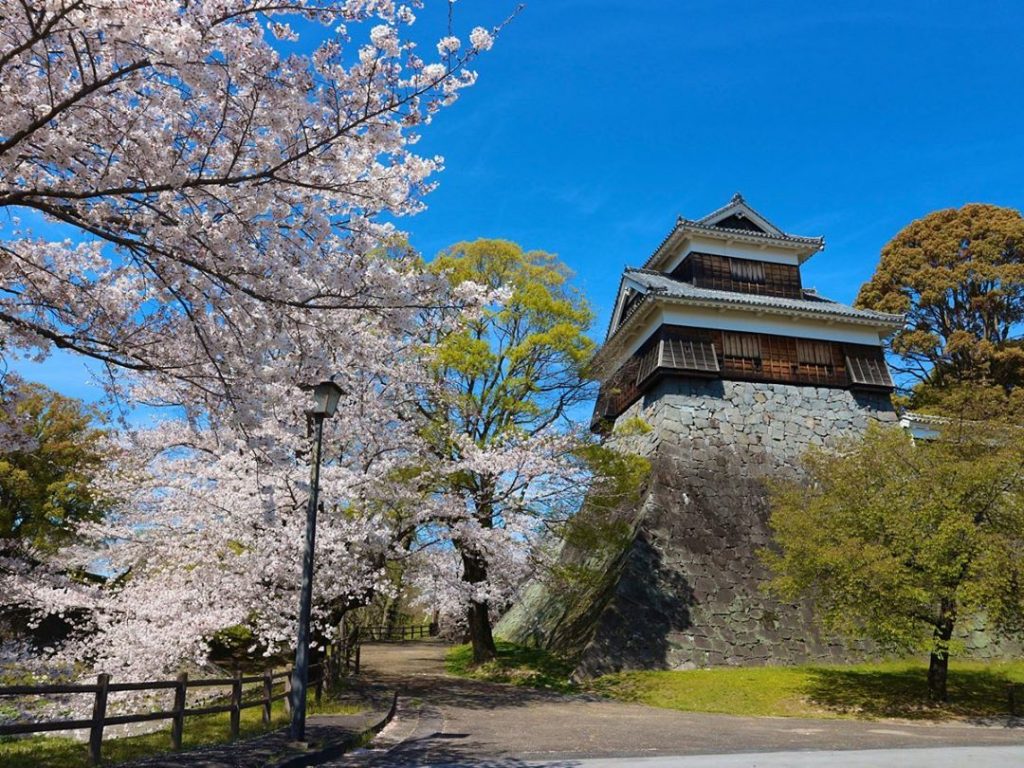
{"type": "Point", "coordinates": [177, 714]}
{"type": "Point", "coordinates": [398, 633]}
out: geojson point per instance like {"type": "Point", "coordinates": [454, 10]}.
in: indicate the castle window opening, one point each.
{"type": "Point", "coordinates": [741, 347]}
{"type": "Point", "coordinates": [744, 271]}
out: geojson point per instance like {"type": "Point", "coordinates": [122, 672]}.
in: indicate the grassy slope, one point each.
{"type": "Point", "coordinates": [891, 689]}
{"type": "Point", "coordinates": [515, 665]}
{"type": "Point", "coordinates": [62, 752]}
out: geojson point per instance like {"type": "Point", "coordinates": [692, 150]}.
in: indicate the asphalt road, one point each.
{"type": "Point", "coordinates": [446, 721]}
{"type": "Point", "coordinates": [958, 757]}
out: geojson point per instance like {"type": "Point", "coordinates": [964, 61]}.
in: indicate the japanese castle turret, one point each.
{"type": "Point", "coordinates": [720, 308]}
{"type": "Point", "coordinates": [722, 369]}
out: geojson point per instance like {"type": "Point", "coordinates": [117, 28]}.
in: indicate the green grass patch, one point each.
{"type": "Point", "coordinates": [201, 731]}
{"type": "Point", "coordinates": [896, 689]}
{"type": "Point", "coordinates": [515, 665]}
{"type": "Point", "coordinates": [891, 689]}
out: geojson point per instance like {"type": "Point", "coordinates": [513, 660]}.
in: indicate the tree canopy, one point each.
{"type": "Point", "coordinates": [207, 212]}
{"type": "Point", "coordinates": [897, 540]}
{"type": "Point", "coordinates": [958, 274]}
{"type": "Point", "coordinates": [512, 376]}
{"type": "Point", "coordinates": [48, 487]}
{"type": "Point", "coordinates": [200, 211]}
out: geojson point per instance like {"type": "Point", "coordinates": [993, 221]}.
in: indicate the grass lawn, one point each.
{"type": "Point", "coordinates": [515, 665]}
{"type": "Point", "coordinates": [204, 730]}
{"type": "Point", "coordinates": [896, 689]}
{"type": "Point", "coordinates": [893, 689]}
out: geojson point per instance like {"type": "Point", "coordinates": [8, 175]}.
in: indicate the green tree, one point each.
{"type": "Point", "coordinates": [958, 274]}
{"type": "Point", "coordinates": [514, 372]}
{"type": "Point", "coordinates": [46, 491]}
{"type": "Point", "coordinates": [897, 540]}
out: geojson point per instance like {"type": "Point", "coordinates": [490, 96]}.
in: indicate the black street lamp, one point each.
{"type": "Point", "coordinates": [325, 402]}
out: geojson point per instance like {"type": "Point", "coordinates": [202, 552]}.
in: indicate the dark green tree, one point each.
{"type": "Point", "coordinates": [958, 274]}
{"type": "Point", "coordinates": [897, 540]}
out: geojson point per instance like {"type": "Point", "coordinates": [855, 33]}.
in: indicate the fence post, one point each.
{"type": "Point", "coordinates": [268, 691]}
{"type": "Point", "coordinates": [288, 693]}
{"type": "Point", "coordinates": [178, 721]}
{"type": "Point", "coordinates": [99, 714]}
{"type": "Point", "coordinates": [359, 648]}
{"type": "Point", "coordinates": [236, 703]}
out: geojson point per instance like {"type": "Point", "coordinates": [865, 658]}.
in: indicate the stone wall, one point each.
{"type": "Point", "coordinates": [687, 592]}
{"type": "Point", "coordinates": [684, 589]}
{"type": "Point", "coordinates": [765, 426]}
{"type": "Point", "coordinates": [713, 445]}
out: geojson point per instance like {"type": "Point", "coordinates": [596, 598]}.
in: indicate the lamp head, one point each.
{"type": "Point", "coordinates": [325, 399]}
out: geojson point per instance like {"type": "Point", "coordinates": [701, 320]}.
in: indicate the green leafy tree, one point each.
{"type": "Point", "coordinates": [897, 540]}
{"type": "Point", "coordinates": [514, 373]}
{"type": "Point", "coordinates": [48, 489]}
{"type": "Point", "coordinates": [958, 274]}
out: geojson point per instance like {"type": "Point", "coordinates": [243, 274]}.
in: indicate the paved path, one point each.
{"type": "Point", "coordinates": [954, 757]}
{"type": "Point", "coordinates": [449, 721]}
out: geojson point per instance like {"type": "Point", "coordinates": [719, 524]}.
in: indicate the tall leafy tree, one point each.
{"type": "Point", "coordinates": [513, 375]}
{"type": "Point", "coordinates": [958, 274]}
{"type": "Point", "coordinates": [47, 488]}
{"type": "Point", "coordinates": [899, 541]}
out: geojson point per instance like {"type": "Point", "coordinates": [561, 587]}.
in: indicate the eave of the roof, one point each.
{"type": "Point", "coordinates": [808, 245]}
{"type": "Point", "coordinates": [739, 205]}
{"type": "Point", "coordinates": [730, 300]}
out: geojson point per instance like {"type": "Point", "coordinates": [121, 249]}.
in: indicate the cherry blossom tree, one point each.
{"type": "Point", "coordinates": [209, 219]}
{"type": "Point", "coordinates": [208, 530]}
{"type": "Point", "coordinates": [207, 199]}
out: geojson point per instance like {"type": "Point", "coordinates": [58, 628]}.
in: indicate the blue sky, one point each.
{"type": "Point", "coordinates": [596, 122]}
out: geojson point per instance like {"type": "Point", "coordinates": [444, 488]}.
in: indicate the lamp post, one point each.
{"type": "Point", "coordinates": [325, 402]}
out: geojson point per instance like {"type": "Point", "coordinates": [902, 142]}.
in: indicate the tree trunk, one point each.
{"type": "Point", "coordinates": [480, 632]}
{"type": "Point", "coordinates": [391, 617]}
{"type": "Point", "coordinates": [938, 664]}
{"type": "Point", "coordinates": [938, 671]}
{"type": "Point", "coordinates": [474, 571]}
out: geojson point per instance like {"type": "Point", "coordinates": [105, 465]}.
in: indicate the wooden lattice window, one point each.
{"type": "Point", "coordinates": [814, 361]}
{"type": "Point", "coordinates": [868, 370]}
{"type": "Point", "coordinates": [741, 346]}
{"type": "Point", "coordinates": [649, 362]}
{"type": "Point", "coordinates": [745, 271]}
{"type": "Point", "coordinates": [689, 355]}
{"type": "Point", "coordinates": [813, 352]}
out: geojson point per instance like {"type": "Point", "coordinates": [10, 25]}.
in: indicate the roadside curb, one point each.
{"type": "Point", "coordinates": [334, 750]}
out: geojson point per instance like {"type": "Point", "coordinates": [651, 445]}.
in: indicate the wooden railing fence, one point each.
{"type": "Point", "coordinates": [398, 633]}
{"type": "Point", "coordinates": [177, 714]}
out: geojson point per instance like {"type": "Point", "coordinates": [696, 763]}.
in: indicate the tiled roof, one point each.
{"type": "Point", "coordinates": [692, 224]}
{"type": "Point", "coordinates": [703, 226]}
{"type": "Point", "coordinates": [661, 284]}
{"type": "Point", "coordinates": [736, 199]}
